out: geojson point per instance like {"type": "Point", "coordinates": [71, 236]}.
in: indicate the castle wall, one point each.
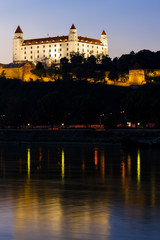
{"type": "Point", "coordinates": [136, 77]}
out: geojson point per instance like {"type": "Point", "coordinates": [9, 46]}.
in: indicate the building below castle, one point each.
{"type": "Point", "coordinates": [52, 49]}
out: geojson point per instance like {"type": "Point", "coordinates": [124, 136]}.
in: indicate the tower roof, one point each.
{"type": "Point", "coordinates": [18, 30]}
{"type": "Point", "coordinates": [73, 26]}
{"type": "Point", "coordinates": [103, 33]}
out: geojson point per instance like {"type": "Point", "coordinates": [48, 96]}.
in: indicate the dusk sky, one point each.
{"type": "Point", "coordinates": [129, 24]}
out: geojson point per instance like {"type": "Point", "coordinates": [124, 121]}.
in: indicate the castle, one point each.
{"type": "Point", "coordinates": [52, 49]}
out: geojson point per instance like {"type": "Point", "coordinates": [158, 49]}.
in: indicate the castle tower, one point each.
{"type": "Point", "coordinates": [104, 41]}
{"type": "Point", "coordinates": [73, 36]}
{"type": "Point", "coordinates": [17, 43]}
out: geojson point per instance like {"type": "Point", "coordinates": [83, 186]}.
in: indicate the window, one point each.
{"type": "Point", "coordinates": [82, 45]}
{"type": "Point", "coordinates": [55, 60]}
{"type": "Point", "coordinates": [38, 56]}
{"type": "Point", "coordinates": [49, 45]}
{"type": "Point", "coordinates": [37, 51]}
{"type": "Point", "coordinates": [43, 55]}
{"type": "Point", "coordinates": [31, 57]}
{"type": "Point", "coordinates": [55, 45]}
{"type": "Point", "coordinates": [77, 49]}
{"type": "Point", "coordinates": [24, 47]}
{"type": "Point", "coordinates": [31, 52]}
{"type": "Point", "coordinates": [55, 50]}
{"type": "Point", "coordinates": [60, 49]}
{"type": "Point", "coordinates": [37, 46]}
{"type": "Point", "coordinates": [87, 45]}
{"type": "Point", "coordinates": [67, 44]}
{"type": "Point", "coordinates": [49, 55]}
{"type": "Point", "coordinates": [55, 55]}
{"type": "Point", "coordinates": [50, 50]}
{"type": "Point", "coordinates": [31, 47]}
{"type": "Point", "coordinates": [24, 57]}
{"type": "Point", "coordinates": [43, 46]}
{"type": "Point", "coordinates": [67, 54]}
{"type": "Point", "coordinates": [24, 52]}
{"type": "Point", "coordinates": [60, 45]}
{"type": "Point", "coordinates": [67, 49]}
{"type": "Point", "coordinates": [60, 55]}
{"type": "Point", "coordinates": [44, 51]}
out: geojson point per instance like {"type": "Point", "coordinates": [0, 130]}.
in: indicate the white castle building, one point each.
{"type": "Point", "coordinates": [52, 49]}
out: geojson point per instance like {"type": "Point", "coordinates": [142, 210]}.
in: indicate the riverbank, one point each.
{"type": "Point", "coordinates": [78, 135]}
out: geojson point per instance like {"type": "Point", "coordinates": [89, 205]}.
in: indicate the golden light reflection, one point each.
{"type": "Point", "coordinates": [103, 164]}
{"type": "Point", "coordinates": [29, 162]}
{"type": "Point", "coordinates": [139, 168]}
{"type": "Point", "coordinates": [129, 165]}
{"type": "Point", "coordinates": [96, 157]}
{"type": "Point", "coordinates": [153, 188]}
{"type": "Point", "coordinates": [63, 166]}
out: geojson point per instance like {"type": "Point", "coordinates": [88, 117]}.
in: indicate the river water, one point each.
{"type": "Point", "coordinates": [79, 192]}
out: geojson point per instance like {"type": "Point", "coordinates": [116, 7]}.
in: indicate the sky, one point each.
{"type": "Point", "coordinates": [131, 25]}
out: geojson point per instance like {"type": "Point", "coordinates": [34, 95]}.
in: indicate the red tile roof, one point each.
{"type": "Point", "coordinates": [60, 39]}
{"type": "Point", "coordinates": [73, 26]}
{"type": "Point", "coordinates": [18, 30]}
{"type": "Point", "coordinates": [103, 33]}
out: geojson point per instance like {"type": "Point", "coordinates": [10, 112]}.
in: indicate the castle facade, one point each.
{"type": "Point", "coordinates": [52, 49]}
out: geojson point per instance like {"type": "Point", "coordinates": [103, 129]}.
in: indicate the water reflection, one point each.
{"type": "Point", "coordinates": [138, 168]}
{"type": "Point", "coordinates": [80, 192]}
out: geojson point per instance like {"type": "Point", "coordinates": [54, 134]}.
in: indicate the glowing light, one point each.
{"type": "Point", "coordinates": [129, 165]}
{"type": "Point", "coordinates": [138, 124]}
{"type": "Point", "coordinates": [95, 157]}
{"type": "Point", "coordinates": [103, 164]}
{"type": "Point", "coordinates": [63, 159]}
{"type": "Point", "coordinates": [138, 168]}
{"type": "Point", "coordinates": [29, 162]}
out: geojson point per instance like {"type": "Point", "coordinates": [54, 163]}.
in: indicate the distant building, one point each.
{"type": "Point", "coordinates": [52, 49]}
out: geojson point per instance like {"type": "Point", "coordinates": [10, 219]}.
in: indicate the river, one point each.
{"type": "Point", "coordinates": [79, 191]}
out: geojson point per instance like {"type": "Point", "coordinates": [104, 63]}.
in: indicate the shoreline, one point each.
{"type": "Point", "coordinates": [77, 136]}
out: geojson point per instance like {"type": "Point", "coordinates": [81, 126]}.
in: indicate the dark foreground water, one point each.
{"type": "Point", "coordinates": [79, 192]}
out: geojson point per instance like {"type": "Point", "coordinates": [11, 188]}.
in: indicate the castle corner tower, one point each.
{"type": "Point", "coordinates": [17, 43]}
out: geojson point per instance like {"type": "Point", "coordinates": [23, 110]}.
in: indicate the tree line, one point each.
{"type": "Point", "coordinates": [76, 102]}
